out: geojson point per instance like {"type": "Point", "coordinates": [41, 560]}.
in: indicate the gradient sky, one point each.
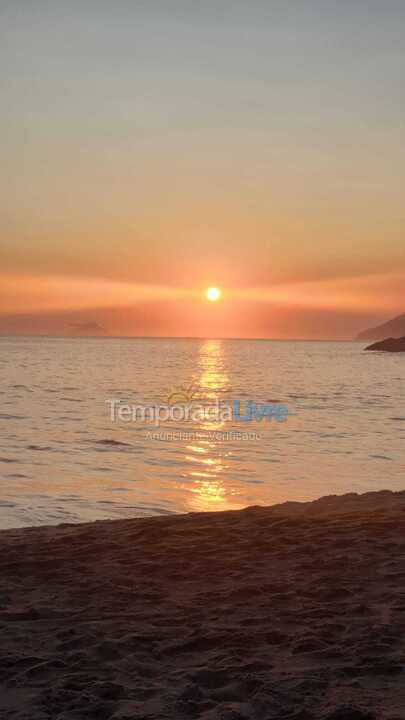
{"type": "Point", "coordinates": [151, 148]}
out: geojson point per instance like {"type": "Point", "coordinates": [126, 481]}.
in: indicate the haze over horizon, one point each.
{"type": "Point", "coordinates": [152, 149]}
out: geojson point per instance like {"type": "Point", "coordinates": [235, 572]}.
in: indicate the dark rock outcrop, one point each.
{"type": "Point", "coordinates": [389, 345]}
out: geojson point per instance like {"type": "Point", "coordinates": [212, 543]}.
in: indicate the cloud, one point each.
{"type": "Point", "coordinates": [25, 293]}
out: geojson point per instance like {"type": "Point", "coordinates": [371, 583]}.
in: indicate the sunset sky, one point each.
{"type": "Point", "coordinates": [152, 148]}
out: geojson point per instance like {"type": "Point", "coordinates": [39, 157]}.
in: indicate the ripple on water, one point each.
{"type": "Point", "coordinates": [8, 416]}
{"type": "Point", "coordinates": [40, 448]}
{"type": "Point", "coordinates": [70, 418]}
{"type": "Point", "coordinates": [112, 443]}
{"type": "Point", "coordinates": [17, 476]}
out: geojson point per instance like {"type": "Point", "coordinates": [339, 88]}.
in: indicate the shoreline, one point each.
{"type": "Point", "coordinates": [289, 611]}
{"type": "Point", "coordinates": [324, 505]}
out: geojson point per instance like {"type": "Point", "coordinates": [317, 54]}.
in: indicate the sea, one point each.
{"type": "Point", "coordinates": [76, 447]}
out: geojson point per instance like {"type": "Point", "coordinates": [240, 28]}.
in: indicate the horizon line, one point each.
{"type": "Point", "coordinates": [172, 337]}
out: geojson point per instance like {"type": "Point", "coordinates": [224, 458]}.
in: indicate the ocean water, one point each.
{"type": "Point", "coordinates": [63, 459]}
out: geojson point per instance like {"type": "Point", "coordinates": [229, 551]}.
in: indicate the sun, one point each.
{"type": "Point", "coordinates": [213, 294]}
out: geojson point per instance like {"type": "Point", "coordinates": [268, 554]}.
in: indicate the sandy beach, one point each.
{"type": "Point", "coordinates": [293, 611]}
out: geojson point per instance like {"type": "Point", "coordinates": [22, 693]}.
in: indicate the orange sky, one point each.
{"type": "Point", "coordinates": [149, 154]}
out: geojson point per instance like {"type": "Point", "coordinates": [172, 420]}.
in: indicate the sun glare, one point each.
{"type": "Point", "coordinates": [213, 294]}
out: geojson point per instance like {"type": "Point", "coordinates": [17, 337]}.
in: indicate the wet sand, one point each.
{"type": "Point", "coordinates": [295, 611]}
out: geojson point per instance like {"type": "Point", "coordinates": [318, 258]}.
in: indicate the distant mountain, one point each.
{"type": "Point", "coordinates": [92, 328]}
{"type": "Point", "coordinates": [393, 328]}
{"type": "Point", "coordinates": [389, 345]}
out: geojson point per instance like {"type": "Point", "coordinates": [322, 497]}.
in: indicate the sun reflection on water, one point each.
{"type": "Point", "coordinates": [213, 380]}
{"type": "Point", "coordinates": [206, 483]}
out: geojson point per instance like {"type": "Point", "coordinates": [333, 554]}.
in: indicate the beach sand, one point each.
{"type": "Point", "coordinates": [295, 611]}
